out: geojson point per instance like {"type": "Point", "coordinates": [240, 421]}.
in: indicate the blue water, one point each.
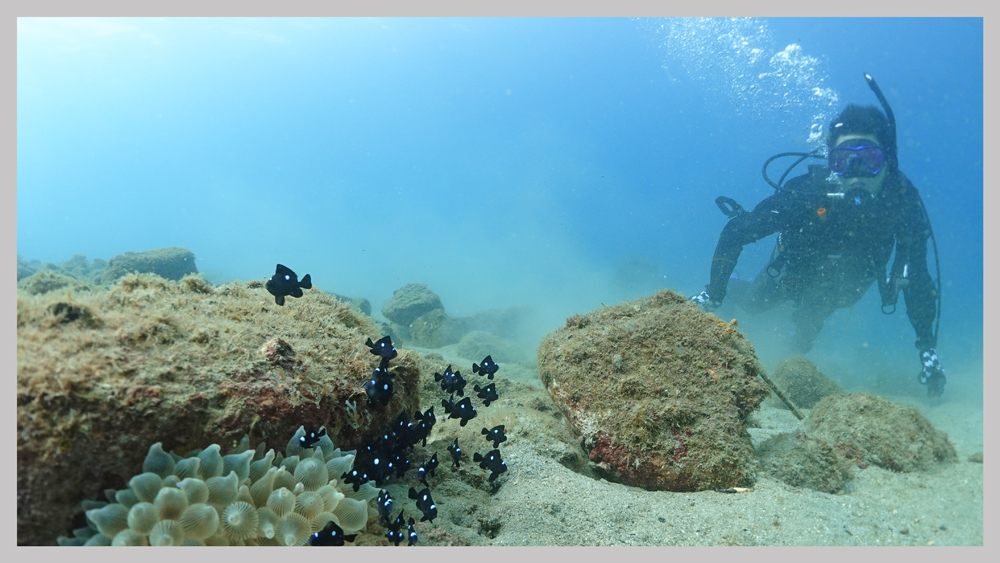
{"type": "Point", "coordinates": [501, 161]}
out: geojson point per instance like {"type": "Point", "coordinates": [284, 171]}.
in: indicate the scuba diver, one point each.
{"type": "Point", "coordinates": [837, 227]}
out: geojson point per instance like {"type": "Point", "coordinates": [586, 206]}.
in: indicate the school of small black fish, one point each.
{"type": "Point", "coordinates": [388, 456]}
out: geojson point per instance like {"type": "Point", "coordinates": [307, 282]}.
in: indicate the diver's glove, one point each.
{"type": "Point", "coordinates": [932, 375]}
{"type": "Point", "coordinates": [705, 302]}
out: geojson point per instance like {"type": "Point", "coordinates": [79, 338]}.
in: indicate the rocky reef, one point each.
{"type": "Point", "coordinates": [102, 374]}
{"type": "Point", "coordinates": [78, 267]}
{"type": "Point", "coordinates": [658, 392]}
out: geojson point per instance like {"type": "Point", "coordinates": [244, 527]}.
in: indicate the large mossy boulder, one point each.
{"type": "Point", "coordinates": [658, 391]}
{"type": "Point", "coordinates": [103, 374]}
{"type": "Point", "coordinates": [870, 430]}
{"type": "Point", "coordinates": [172, 263]}
{"type": "Point", "coordinates": [409, 302]}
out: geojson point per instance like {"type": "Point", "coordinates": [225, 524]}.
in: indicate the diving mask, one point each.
{"type": "Point", "coordinates": [861, 160]}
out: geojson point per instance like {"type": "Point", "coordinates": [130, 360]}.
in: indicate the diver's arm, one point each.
{"type": "Point", "coordinates": [746, 228]}
{"type": "Point", "coordinates": [919, 292]}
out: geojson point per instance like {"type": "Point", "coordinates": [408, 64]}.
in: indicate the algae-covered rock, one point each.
{"type": "Point", "coordinates": [45, 281]}
{"type": "Point", "coordinates": [102, 375]}
{"type": "Point", "coordinates": [76, 267]}
{"type": "Point", "coordinates": [172, 263]}
{"type": "Point", "coordinates": [409, 302]}
{"type": "Point", "coordinates": [802, 461]}
{"type": "Point", "coordinates": [658, 391]}
{"type": "Point", "coordinates": [868, 429]}
{"type": "Point", "coordinates": [435, 329]}
{"type": "Point", "coordinates": [803, 382]}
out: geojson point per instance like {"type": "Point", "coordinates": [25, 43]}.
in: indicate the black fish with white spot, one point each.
{"type": "Point", "coordinates": [382, 347]}
{"type": "Point", "coordinates": [425, 503]}
{"type": "Point", "coordinates": [332, 534]}
{"type": "Point", "coordinates": [425, 422]}
{"type": "Point", "coordinates": [428, 468]}
{"type": "Point", "coordinates": [456, 453]}
{"type": "Point", "coordinates": [379, 388]}
{"type": "Point", "coordinates": [357, 477]}
{"type": "Point", "coordinates": [384, 503]}
{"type": "Point", "coordinates": [462, 409]}
{"type": "Point", "coordinates": [488, 394]}
{"type": "Point", "coordinates": [495, 435]}
{"type": "Point", "coordinates": [451, 382]}
{"type": "Point", "coordinates": [491, 462]}
{"type": "Point", "coordinates": [488, 368]}
{"type": "Point", "coordinates": [312, 437]}
{"type": "Point", "coordinates": [285, 282]}
{"type": "Point", "coordinates": [412, 533]}
{"type": "Point", "coordinates": [403, 431]}
{"type": "Point", "coordinates": [400, 463]}
{"type": "Point", "coordinates": [395, 532]}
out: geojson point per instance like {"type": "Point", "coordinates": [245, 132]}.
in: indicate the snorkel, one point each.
{"type": "Point", "coordinates": [890, 150]}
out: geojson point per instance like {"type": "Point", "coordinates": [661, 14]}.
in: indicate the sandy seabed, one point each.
{"type": "Point", "coordinates": [541, 502]}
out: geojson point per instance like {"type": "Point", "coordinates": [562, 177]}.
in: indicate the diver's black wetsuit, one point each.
{"type": "Point", "coordinates": [830, 251]}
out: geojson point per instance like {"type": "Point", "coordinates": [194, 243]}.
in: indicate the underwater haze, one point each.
{"type": "Point", "coordinates": [553, 163]}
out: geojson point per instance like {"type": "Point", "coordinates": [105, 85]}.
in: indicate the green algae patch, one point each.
{"type": "Point", "coordinates": [104, 373]}
{"type": "Point", "coordinates": [658, 392]}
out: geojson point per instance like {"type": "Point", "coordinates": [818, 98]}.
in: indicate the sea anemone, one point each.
{"type": "Point", "coordinates": [142, 517]}
{"type": "Point", "coordinates": [281, 501]}
{"type": "Point", "coordinates": [312, 472]}
{"type": "Point", "coordinates": [240, 520]}
{"type": "Point", "coordinates": [294, 529]}
{"type": "Point", "coordinates": [128, 536]}
{"type": "Point", "coordinates": [222, 490]}
{"type": "Point", "coordinates": [199, 521]}
{"type": "Point", "coordinates": [146, 486]}
{"type": "Point", "coordinates": [195, 489]}
{"type": "Point", "coordinates": [211, 462]}
{"type": "Point", "coordinates": [171, 503]}
{"type": "Point", "coordinates": [353, 514]}
{"type": "Point", "coordinates": [268, 522]}
{"type": "Point", "coordinates": [158, 461]}
{"type": "Point", "coordinates": [309, 504]}
{"type": "Point", "coordinates": [246, 497]}
{"type": "Point", "coordinates": [166, 532]}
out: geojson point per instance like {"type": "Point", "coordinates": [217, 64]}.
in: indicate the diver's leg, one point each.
{"type": "Point", "coordinates": [808, 324]}
{"type": "Point", "coordinates": [817, 303]}
{"type": "Point", "coordinates": [760, 295]}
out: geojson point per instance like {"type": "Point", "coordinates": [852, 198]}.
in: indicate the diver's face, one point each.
{"type": "Point", "coordinates": [855, 178]}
